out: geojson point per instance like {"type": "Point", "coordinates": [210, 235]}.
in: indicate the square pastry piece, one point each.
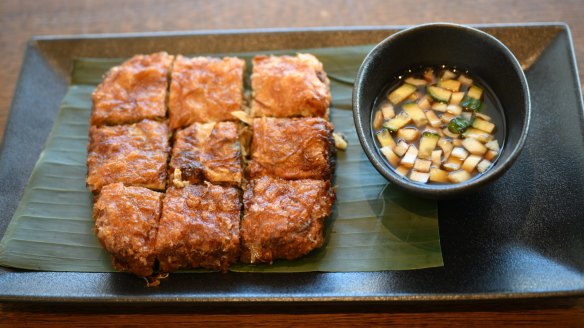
{"type": "Point", "coordinates": [126, 221]}
{"type": "Point", "coordinates": [207, 152]}
{"type": "Point", "coordinates": [205, 89]}
{"type": "Point", "coordinates": [199, 228]}
{"type": "Point", "coordinates": [133, 91]}
{"type": "Point", "coordinates": [284, 219]}
{"type": "Point", "coordinates": [299, 148]}
{"type": "Point", "coordinates": [135, 155]}
{"type": "Point", "coordinates": [288, 86]}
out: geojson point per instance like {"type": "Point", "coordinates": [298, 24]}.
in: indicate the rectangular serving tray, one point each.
{"type": "Point", "coordinates": [519, 238]}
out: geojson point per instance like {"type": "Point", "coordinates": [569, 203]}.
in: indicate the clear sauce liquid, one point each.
{"type": "Point", "coordinates": [490, 107]}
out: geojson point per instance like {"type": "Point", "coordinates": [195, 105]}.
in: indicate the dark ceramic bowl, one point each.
{"type": "Point", "coordinates": [452, 45]}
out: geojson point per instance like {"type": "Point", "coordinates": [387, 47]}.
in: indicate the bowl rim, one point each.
{"type": "Point", "coordinates": [440, 190]}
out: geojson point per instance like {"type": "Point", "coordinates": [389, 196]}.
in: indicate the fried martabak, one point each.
{"type": "Point", "coordinates": [126, 222]}
{"type": "Point", "coordinates": [299, 148]}
{"type": "Point", "coordinates": [134, 154]}
{"type": "Point", "coordinates": [133, 91]}
{"type": "Point", "coordinates": [205, 89]}
{"type": "Point", "coordinates": [284, 219]}
{"type": "Point", "coordinates": [289, 86]}
{"type": "Point", "coordinates": [199, 228]}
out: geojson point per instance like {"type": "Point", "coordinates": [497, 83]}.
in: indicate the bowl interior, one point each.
{"type": "Point", "coordinates": [454, 46]}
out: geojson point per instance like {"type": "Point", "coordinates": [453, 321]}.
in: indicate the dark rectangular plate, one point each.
{"type": "Point", "coordinates": [521, 237]}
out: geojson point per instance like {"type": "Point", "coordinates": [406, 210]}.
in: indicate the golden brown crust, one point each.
{"type": "Point", "coordinates": [135, 155]}
{"type": "Point", "coordinates": [283, 219]}
{"type": "Point", "coordinates": [133, 91]}
{"type": "Point", "coordinates": [299, 148]}
{"type": "Point", "coordinates": [126, 222]}
{"type": "Point", "coordinates": [199, 228]}
{"type": "Point", "coordinates": [205, 89]}
{"type": "Point", "coordinates": [287, 86]}
{"type": "Point", "coordinates": [208, 152]}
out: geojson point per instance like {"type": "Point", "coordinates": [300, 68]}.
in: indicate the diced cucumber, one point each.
{"type": "Point", "coordinates": [483, 125]}
{"type": "Point", "coordinates": [490, 155]}
{"type": "Point", "coordinates": [410, 157]}
{"type": "Point", "coordinates": [474, 146]}
{"type": "Point", "coordinates": [427, 145]}
{"type": "Point", "coordinates": [433, 119]}
{"type": "Point", "coordinates": [429, 75]}
{"type": "Point", "coordinates": [454, 109]}
{"type": "Point", "coordinates": [446, 118]}
{"type": "Point", "coordinates": [422, 165]}
{"type": "Point", "coordinates": [452, 85]}
{"type": "Point", "coordinates": [475, 92]}
{"type": "Point", "coordinates": [416, 82]}
{"type": "Point", "coordinates": [467, 116]}
{"type": "Point", "coordinates": [398, 95]}
{"type": "Point", "coordinates": [459, 152]}
{"type": "Point", "coordinates": [446, 147]}
{"type": "Point", "coordinates": [449, 134]}
{"type": "Point", "coordinates": [438, 175]}
{"type": "Point", "coordinates": [471, 162]}
{"type": "Point", "coordinates": [439, 107]}
{"type": "Point", "coordinates": [459, 176]}
{"type": "Point", "coordinates": [385, 139]}
{"type": "Point", "coordinates": [480, 135]}
{"type": "Point", "coordinates": [399, 121]}
{"type": "Point", "coordinates": [401, 148]}
{"type": "Point", "coordinates": [408, 134]}
{"type": "Point", "coordinates": [448, 74]}
{"type": "Point", "coordinates": [483, 165]}
{"type": "Point", "coordinates": [387, 111]}
{"type": "Point", "coordinates": [483, 116]}
{"type": "Point", "coordinates": [419, 176]}
{"type": "Point", "coordinates": [402, 170]}
{"type": "Point", "coordinates": [439, 94]}
{"type": "Point", "coordinates": [425, 103]}
{"type": "Point", "coordinates": [456, 98]}
{"type": "Point", "coordinates": [391, 157]}
{"type": "Point", "coordinates": [378, 120]}
{"type": "Point", "coordinates": [452, 163]}
{"type": "Point", "coordinates": [436, 157]}
{"type": "Point", "coordinates": [416, 113]}
{"type": "Point", "coordinates": [493, 145]}
{"type": "Point", "coordinates": [465, 79]}
{"type": "Point", "coordinates": [471, 103]}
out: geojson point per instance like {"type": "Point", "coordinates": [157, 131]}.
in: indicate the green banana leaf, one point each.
{"type": "Point", "coordinates": [373, 227]}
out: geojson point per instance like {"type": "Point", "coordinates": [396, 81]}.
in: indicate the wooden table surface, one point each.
{"type": "Point", "coordinates": [22, 19]}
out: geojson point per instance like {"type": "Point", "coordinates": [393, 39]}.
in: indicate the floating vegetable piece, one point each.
{"type": "Point", "coordinates": [458, 124]}
{"type": "Point", "coordinates": [400, 94]}
{"type": "Point", "coordinates": [439, 94]}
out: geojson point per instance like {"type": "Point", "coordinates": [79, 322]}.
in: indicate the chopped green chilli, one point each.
{"type": "Point", "coordinates": [435, 133]}
{"type": "Point", "coordinates": [458, 124]}
{"type": "Point", "coordinates": [471, 103]}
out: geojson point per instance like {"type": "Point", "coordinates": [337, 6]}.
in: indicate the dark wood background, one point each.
{"type": "Point", "coordinates": [22, 19]}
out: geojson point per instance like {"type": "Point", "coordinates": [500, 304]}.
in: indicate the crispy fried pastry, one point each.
{"type": "Point", "coordinates": [284, 219]}
{"type": "Point", "coordinates": [126, 221]}
{"type": "Point", "coordinates": [207, 152]}
{"type": "Point", "coordinates": [133, 91]}
{"type": "Point", "coordinates": [299, 148]}
{"type": "Point", "coordinates": [135, 155]}
{"type": "Point", "coordinates": [205, 89]}
{"type": "Point", "coordinates": [199, 228]}
{"type": "Point", "coordinates": [287, 86]}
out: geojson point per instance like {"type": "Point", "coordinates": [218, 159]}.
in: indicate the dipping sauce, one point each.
{"type": "Point", "coordinates": [438, 125]}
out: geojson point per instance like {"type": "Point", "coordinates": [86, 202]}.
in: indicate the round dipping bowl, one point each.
{"type": "Point", "coordinates": [451, 45]}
